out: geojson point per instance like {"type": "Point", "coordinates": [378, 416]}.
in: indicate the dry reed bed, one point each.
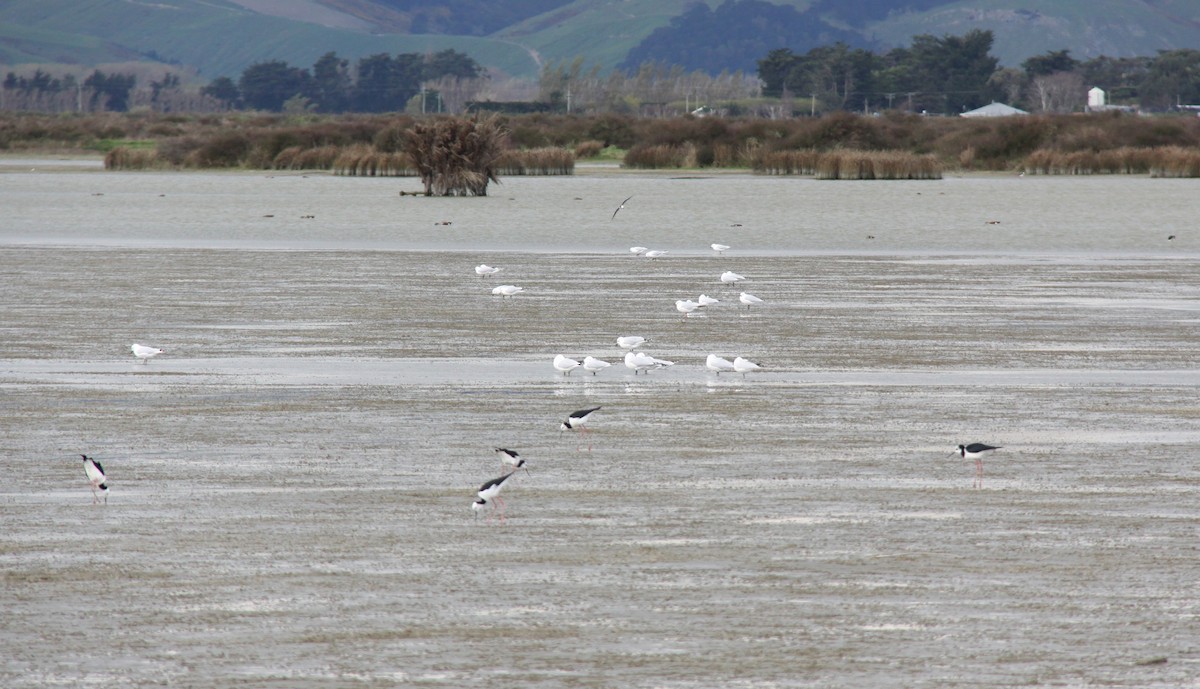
{"type": "Point", "coordinates": [1161, 161]}
{"type": "Point", "coordinates": [360, 160]}
{"type": "Point", "coordinates": [860, 165]}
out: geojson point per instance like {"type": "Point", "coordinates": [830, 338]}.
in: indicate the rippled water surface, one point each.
{"type": "Point", "coordinates": [291, 480]}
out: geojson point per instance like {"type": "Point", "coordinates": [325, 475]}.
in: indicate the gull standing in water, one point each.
{"type": "Point", "coordinates": [484, 269]}
{"type": "Point", "coordinates": [641, 361]}
{"type": "Point", "coordinates": [638, 250]}
{"type": "Point", "coordinates": [686, 306]}
{"type": "Point", "coordinates": [718, 364]}
{"type": "Point", "coordinates": [565, 364]}
{"type": "Point", "coordinates": [591, 363]}
{"type": "Point", "coordinates": [630, 341]}
{"type": "Point", "coordinates": [729, 277]}
{"type": "Point", "coordinates": [750, 300]}
{"type": "Point", "coordinates": [744, 366]}
{"type": "Point", "coordinates": [507, 290]}
{"type": "Point", "coordinates": [638, 361]}
{"type": "Point", "coordinates": [720, 248]}
{"type": "Point", "coordinates": [705, 300]}
{"type": "Point", "coordinates": [655, 253]}
{"type": "Point", "coordinates": [145, 353]}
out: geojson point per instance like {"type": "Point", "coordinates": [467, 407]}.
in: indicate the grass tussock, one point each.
{"type": "Point", "coordinates": [860, 165]}
{"type": "Point", "coordinates": [366, 161]}
{"type": "Point", "coordinates": [1160, 161]}
{"type": "Point", "coordinates": [538, 161]}
{"type": "Point", "coordinates": [588, 149]}
{"type": "Point", "coordinates": [801, 162]}
{"type": "Point", "coordinates": [123, 158]}
{"type": "Point", "coordinates": [1176, 161]}
{"type": "Point", "coordinates": [661, 156]}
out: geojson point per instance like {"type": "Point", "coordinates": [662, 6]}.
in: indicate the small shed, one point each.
{"type": "Point", "coordinates": [994, 109]}
{"type": "Point", "coordinates": [1097, 98]}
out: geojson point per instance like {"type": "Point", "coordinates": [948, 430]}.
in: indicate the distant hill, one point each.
{"type": "Point", "coordinates": [223, 37]}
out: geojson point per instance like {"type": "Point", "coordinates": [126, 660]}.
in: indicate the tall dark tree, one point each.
{"type": "Point", "coordinates": [451, 63]}
{"type": "Point", "coordinates": [773, 71]}
{"type": "Point", "coordinates": [386, 84]}
{"type": "Point", "coordinates": [1049, 63]}
{"type": "Point", "coordinates": [224, 90]}
{"type": "Point", "coordinates": [331, 84]}
{"type": "Point", "coordinates": [951, 73]}
{"type": "Point", "coordinates": [267, 85]}
{"type": "Point", "coordinates": [1120, 77]}
{"type": "Point", "coordinates": [110, 91]}
{"type": "Point", "coordinates": [841, 77]}
{"type": "Point", "coordinates": [1173, 79]}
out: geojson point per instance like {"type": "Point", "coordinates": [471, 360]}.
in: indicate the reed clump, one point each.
{"type": "Point", "coordinates": [457, 156]}
{"type": "Point", "coordinates": [125, 158]}
{"type": "Point", "coordinates": [366, 161]}
{"type": "Point", "coordinates": [1157, 161]}
{"type": "Point", "coordinates": [866, 165]}
{"type": "Point", "coordinates": [299, 158]}
{"type": "Point", "coordinates": [538, 161]}
{"type": "Point", "coordinates": [588, 149]}
{"type": "Point", "coordinates": [660, 156]}
{"type": "Point", "coordinates": [802, 162]}
{"type": "Point", "coordinates": [1176, 161]}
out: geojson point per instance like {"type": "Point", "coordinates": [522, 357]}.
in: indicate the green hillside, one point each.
{"type": "Point", "coordinates": [222, 38]}
{"type": "Point", "coordinates": [217, 37]}
{"type": "Point", "coordinates": [1088, 28]}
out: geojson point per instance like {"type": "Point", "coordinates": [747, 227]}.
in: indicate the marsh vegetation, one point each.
{"type": "Point", "coordinates": [371, 145]}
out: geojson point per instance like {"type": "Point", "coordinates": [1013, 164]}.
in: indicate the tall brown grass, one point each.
{"type": "Point", "coordinates": [124, 158]}
{"type": "Point", "coordinates": [877, 165]}
{"type": "Point", "coordinates": [801, 162]}
{"type": "Point", "coordinates": [1176, 161]}
{"type": "Point", "coordinates": [1159, 161]}
{"type": "Point", "coordinates": [539, 161]}
{"type": "Point", "coordinates": [660, 156]}
{"type": "Point", "coordinates": [366, 161]}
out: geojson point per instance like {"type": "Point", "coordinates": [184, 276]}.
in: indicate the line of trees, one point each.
{"type": "Point", "coordinates": [951, 74]}
{"type": "Point", "coordinates": [947, 74]}
{"type": "Point", "coordinates": [377, 83]}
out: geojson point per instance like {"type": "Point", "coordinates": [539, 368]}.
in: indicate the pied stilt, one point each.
{"type": "Point", "coordinates": [96, 477]}
{"type": "Point", "coordinates": [510, 458]}
{"type": "Point", "coordinates": [976, 451]}
{"type": "Point", "coordinates": [577, 421]}
{"type": "Point", "coordinates": [489, 494]}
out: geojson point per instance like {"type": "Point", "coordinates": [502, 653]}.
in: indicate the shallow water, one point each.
{"type": "Point", "coordinates": [291, 479]}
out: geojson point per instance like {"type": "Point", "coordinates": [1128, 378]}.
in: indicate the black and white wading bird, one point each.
{"type": "Point", "coordinates": [489, 494]}
{"type": "Point", "coordinates": [976, 451]}
{"type": "Point", "coordinates": [511, 459]}
{"type": "Point", "coordinates": [577, 421]}
{"type": "Point", "coordinates": [96, 478]}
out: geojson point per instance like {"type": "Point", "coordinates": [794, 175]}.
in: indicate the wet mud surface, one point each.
{"type": "Point", "coordinates": [291, 480]}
